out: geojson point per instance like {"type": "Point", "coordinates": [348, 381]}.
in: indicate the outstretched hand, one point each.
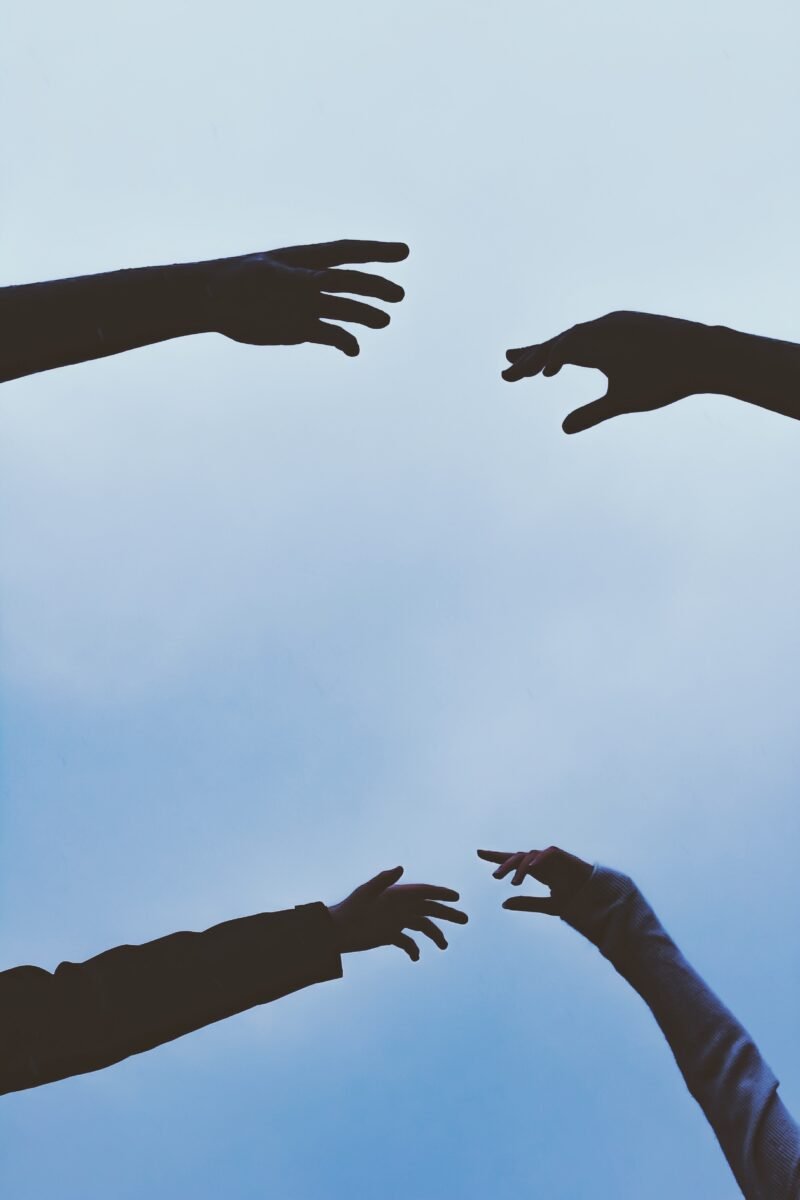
{"type": "Point", "coordinates": [563, 873]}
{"type": "Point", "coordinates": [376, 914]}
{"type": "Point", "coordinates": [285, 297]}
{"type": "Point", "coordinates": [650, 361]}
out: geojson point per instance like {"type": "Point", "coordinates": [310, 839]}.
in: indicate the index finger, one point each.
{"type": "Point", "coordinates": [347, 250]}
{"type": "Point", "coordinates": [496, 856]}
{"type": "Point", "coordinates": [528, 361]}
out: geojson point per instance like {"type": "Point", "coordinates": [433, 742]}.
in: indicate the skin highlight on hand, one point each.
{"type": "Point", "coordinates": [378, 912]}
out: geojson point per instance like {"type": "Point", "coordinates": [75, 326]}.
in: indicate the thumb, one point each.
{"type": "Point", "coordinates": [593, 414]}
{"type": "Point", "coordinates": [537, 904]}
{"type": "Point", "coordinates": [379, 883]}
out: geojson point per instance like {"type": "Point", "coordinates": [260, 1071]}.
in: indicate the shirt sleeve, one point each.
{"type": "Point", "coordinates": [718, 1059]}
{"type": "Point", "coordinates": [85, 1016]}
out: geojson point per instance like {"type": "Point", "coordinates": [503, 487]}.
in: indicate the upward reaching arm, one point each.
{"type": "Point", "coordinates": [651, 361]}
{"type": "Point", "coordinates": [85, 1016]}
{"type": "Point", "coordinates": [718, 1059]}
{"type": "Point", "coordinates": [280, 297]}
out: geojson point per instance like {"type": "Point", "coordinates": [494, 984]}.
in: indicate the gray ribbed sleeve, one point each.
{"type": "Point", "coordinates": [718, 1059]}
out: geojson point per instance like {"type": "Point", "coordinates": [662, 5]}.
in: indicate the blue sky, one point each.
{"type": "Point", "coordinates": [274, 620]}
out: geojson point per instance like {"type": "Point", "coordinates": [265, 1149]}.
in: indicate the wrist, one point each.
{"type": "Point", "coordinates": [196, 288]}
{"type": "Point", "coordinates": [713, 349]}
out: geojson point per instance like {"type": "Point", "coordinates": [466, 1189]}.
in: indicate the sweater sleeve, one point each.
{"type": "Point", "coordinates": [85, 1016]}
{"type": "Point", "coordinates": [718, 1059]}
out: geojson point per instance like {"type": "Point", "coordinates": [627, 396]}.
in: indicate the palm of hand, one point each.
{"type": "Point", "coordinates": [262, 302]}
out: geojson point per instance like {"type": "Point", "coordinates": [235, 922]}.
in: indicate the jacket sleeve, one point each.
{"type": "Point", "coordinates": [718, 1059]}
{"type": "Point", "coordinates": [85, 1016]}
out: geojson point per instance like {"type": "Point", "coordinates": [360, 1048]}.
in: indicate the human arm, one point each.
{"type": "Point", "coordinates": [281, 297]}
{"type": "Point", "coordinates": [718, 1059]}
{"type": "Point", "coordinates": [651, 361]}
{"type": "Point", "coordinates": [85, 1016]}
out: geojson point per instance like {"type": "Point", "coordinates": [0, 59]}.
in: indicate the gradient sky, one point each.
{"type": "Point", "coordinates": [273, 620]}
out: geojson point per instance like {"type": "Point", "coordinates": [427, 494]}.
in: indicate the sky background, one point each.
{"type": "Point", "coordinates": [275, 619]}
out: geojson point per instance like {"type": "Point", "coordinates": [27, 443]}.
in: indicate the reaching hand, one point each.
{"type": "Point", "coordinates": [650, 361]}
{"type": "Point", "coordinates": [282, 297]}
{"type": "Point", "coordinates": [563, 873]}
{"type": "Point", "coordinates": [376, 914]}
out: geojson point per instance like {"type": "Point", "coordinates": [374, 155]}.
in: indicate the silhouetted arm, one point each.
{"type": "Point", "coordinates": [85, 1016]}
{"type": "Point", "coordinates": [719, 1061]}
{"type": "Point", "coordinates": [281, 297]}
{"type": "Point", "coordinates": [651, 361]}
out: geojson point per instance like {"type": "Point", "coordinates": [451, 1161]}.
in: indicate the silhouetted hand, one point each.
{"type": "Point", "coordinates": [284, 297]}
{"type": "Point", "coordinates": [376, 914]}
{"type": "Point", "coordinates": [563, 873]}
{"type": "Point", "coordinates": [650, 361]}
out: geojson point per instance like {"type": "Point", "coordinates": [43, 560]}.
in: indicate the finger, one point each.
{"type": "Point", "coordinates": [509, 865]}
{"type": "Point", "coordinates": [430, 891]}
{"type": "Point", "coordinates": [537, 904]}
{"type": "Point", "coordinates": [528, 362]}
{"type": "Point", "coordinates": [524, 867]}
{"type": "Point", "coordinates": [379, 883]}
{"type": "Point", "coordinates": [361, 284]}
{"type": "Point", "coordinates": [333, 335]}
{"type": "Point", "coordinates": [408, 944]}
{"type": "Point", "coordinates": [593, 414]}
{"type": "Point", "coordinates": [347, 250]}
{"type": "Point", "coordinates": [426, 926]}
{"type": "Point", "coordinates": [495, 856]}
{"type": "Point", "coordinates": [513, 355]}
{"type": "Point", "coordinates": [338, 308]}
{"type": "Point", "coordinates": [432, 909]}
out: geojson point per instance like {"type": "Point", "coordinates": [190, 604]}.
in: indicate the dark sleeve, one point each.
{"type": "Point", "coordinates": [85, 1016]}
{"type": "Point", "coordinates": [719, 1061]}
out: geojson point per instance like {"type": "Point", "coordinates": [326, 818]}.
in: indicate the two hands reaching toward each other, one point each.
{"type": "Point", "coordinates": [380, 911]}
{"type": "Point", "coordinates": [85, 1016]}
{"type": "Point", "coordinates": [303, 294]}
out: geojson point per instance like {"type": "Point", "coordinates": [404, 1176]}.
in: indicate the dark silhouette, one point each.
{"type": "Point", "coordinates": [281, 297]}
{"type": "Point", "coordinates": [651, 361]}
{"type": "Point", "coordinates": [89, 1015]}
{"type": "Point", "coordinates": [719, 1061]}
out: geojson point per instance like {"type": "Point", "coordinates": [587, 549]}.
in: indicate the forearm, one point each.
{"type": "Point", "coordinates": [720, 1063]}
{"type": "Point", "coordinates": [762, 371]}
{"type": "Point", "coordinates": [54, 324]}
{"type": "Point", "coordinates": [89, 1015]}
